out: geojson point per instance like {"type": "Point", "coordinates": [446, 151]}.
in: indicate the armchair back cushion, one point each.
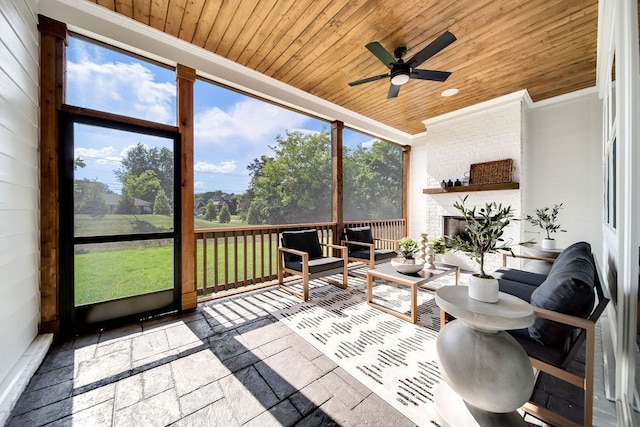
{"type": "Point", "coordinates": [304, 240]}
{"type": "Point", "coordinates": [567, 289]}
{"type": "Point", "coordinates": [359, 234]}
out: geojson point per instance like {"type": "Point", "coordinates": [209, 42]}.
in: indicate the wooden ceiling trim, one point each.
{"type": "Point", "coordinates": [109, 4]}
{"type": "Point", "coordinates": [285, 25]}
{"type": "Point", "coordinates": [125, 7]}
{"type": "Point", "coordinates": [190, 19]}
{"type": "Point", "coordinates": [219, 27]}
{"type": "Point", "coordinates": [263, 33]}
{"type": "Point", "coordinates": [306, 29]}
{"type": "Point", "coordinates": [208, 16]}
{"type": "Point", "coordinates": [174, 17]}
{"type": "Point", "coordinates": [158, 14]}
{"type": "Point", "coordinates": [142, 11]}
{"type": "Point", "coordinates": [253, 26]}
{"type": "Point", "coordinates": [244, 20]}
{"type": "Point", "coordinates": [323, 43]}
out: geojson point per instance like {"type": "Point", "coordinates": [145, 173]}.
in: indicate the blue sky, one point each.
{"type": "Point", "coordinates": [231, 129]}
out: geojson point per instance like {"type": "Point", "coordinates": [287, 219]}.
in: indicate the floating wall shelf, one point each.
{"type": "Point", "coordinates": [470, 188]}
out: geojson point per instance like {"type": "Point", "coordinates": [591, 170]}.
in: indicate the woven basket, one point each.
{"type": "Point", "coordinates": [495, 172]}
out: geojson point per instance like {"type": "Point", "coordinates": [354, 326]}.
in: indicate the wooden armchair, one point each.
{"type": "Point", "coordinates": [300, 254]}
{"type": "Point", "coordinates": [554, 360]}
{"type": "Point", "coordinates": [361, 246]}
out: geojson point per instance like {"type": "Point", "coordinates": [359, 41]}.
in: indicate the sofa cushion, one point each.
{"type": "Point", "coordinates": [568, 289]}
{"type": "Point", "coordinates": [317, 265]}
{"type": "Point", "coordinates": [359, 234]}
{"type": "Point", "coordinates": [515, 275]}
{"type": "Point", "coordinates": [305, 240]}
{"type": "Point", "coordinates": [518, 289]}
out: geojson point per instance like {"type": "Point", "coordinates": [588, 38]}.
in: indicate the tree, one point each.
{"type": "Point", "coordinates": [141, 158]}
{"type": "Point", "coordinates": [253, 215]}
{"type": "Point", "coordinates": [224, 216]}
{"type": "Point", "coordinates": [161, 205]}
{"type": "Point", "coordinates": [144, 186]}
{"type": "Point", "coordinates": [126, 204]}
{"type": "Point", "coordinates": [373, 182]}
{"type": "Point", "coordinates": [210, 213]}
{"type": "Point", "coordinates": [89, 197]}
{"type": "Point", "coordinates": [294, 186]}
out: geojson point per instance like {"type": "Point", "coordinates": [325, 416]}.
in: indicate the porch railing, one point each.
{"type": "Point", "coordinates": [231, 258]}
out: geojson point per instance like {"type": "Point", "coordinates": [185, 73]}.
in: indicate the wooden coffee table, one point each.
{"type": "Point", "coordinates": [422, 279]}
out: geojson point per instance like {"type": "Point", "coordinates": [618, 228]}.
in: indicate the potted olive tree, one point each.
{"type": "Point", "coordinates": [546, 219]}
{"type": "Point", "coordinates": [483, 235]}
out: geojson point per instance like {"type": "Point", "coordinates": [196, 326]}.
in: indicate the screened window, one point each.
{"type": "Point", "coordinates": [372, 178]}
{"type": "Point", "coordinates": [257, 163]}
{"type": "Point", "coordinates": [106, 79]}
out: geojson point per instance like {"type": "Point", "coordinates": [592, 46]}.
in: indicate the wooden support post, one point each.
{"type": "Point", "coordinates": [185, 78]}
{"type": "Point", "coordinates": [53, 37]}
{"type": "Point", "coordinates": [406, 167]}
{"type": "Point", "coordinates": [337, 178]}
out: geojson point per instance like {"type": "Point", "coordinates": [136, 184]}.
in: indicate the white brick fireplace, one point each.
{"type": "Point", "coordinates": [454, 142]}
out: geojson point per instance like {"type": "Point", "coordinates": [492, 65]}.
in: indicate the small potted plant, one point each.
{"type": "Point", "coordinates": [407, 248]}
{"type": "Point", "coordinates": [406, 262]}
{"type": "Point", "coordinates": [546, 218]}
{"type": "Point", "coordinates": [483, 235]}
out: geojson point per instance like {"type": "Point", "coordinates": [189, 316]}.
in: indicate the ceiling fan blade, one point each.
{"type": "Point", "coordinates": [369, 79]}
{"type": "Point", "coordinates": [381, 53]}
{"type": "Point", "coordinates": [432, 48]}
{"type": "Point", "coordinates": [438, 76]}
{"type": "Point", "coordinates": [394, 90]}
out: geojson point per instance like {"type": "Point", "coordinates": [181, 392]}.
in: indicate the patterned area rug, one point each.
{"type": "Point", "coordinates": [395, 359]}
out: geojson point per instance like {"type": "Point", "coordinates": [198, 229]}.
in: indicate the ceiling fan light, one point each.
{"type": "Point", "coordinates": [399, 78]}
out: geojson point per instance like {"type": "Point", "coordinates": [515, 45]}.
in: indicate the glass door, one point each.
{"type": "Point", "coordinates": [119, 221]}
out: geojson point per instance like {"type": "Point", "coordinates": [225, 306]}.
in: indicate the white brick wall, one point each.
{"type": "Point", "coordinates": [448, 149]}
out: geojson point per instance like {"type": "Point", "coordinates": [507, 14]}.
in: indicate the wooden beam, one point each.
{"type": "Point", "coordinates": [406, 165]}
{"type": "Point", "coordinates": [337, 178]}
{"type": "Point", "coordinates": [53, 37]}
{"type": "Point", "coordinates": [185, 78]}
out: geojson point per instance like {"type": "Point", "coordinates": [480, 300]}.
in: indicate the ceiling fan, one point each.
{"type": "Point", "coordinates": [401, 71]}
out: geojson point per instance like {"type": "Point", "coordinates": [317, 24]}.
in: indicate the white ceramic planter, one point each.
{"type": "Point", "coordinates": [548, 244]}
{"type": "Point", "coordinates": [485, 290]}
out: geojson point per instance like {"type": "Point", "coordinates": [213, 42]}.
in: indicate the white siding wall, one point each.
{"type": "Point", "coordinates": [564, 165]}
{"type": "Point", "coordinates": [19, 188]}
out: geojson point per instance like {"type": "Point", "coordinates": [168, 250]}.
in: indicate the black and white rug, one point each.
{"type": "Point", "coordinates": [395, 359]}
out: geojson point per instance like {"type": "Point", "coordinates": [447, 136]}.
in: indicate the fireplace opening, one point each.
{"type": "Point", "coordinates": [453, 226]}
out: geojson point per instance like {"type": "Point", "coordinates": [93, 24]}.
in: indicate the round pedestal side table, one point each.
{"type": "Point", "coordinates": [488, 375]}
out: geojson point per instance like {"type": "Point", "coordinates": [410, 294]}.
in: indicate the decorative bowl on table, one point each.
{"type": "Point", "coordinates": [404, 267]}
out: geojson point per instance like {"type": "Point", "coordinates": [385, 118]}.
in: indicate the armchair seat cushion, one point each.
{"type": "Point", "coordinates": [379, 254]}
{"type": "Point", "coordinates": [317, 265]}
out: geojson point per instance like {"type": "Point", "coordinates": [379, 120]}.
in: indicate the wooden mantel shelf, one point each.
{"type": "Point", "coordinates": [469, 188]}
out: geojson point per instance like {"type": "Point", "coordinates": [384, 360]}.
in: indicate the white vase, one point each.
{"type": "Point", "coordinates": [548, 244]}
{"type": "Point", "coordinates": [484, 290]}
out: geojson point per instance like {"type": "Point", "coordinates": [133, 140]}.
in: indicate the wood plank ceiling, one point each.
{"type": "Point", "coordinates": [545, 46]}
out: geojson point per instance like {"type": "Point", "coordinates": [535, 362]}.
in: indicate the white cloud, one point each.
{"type": "Point", "coordinates": [222, 167]}
{"type": "Point", "coordinates": [101, 156]}
{"type": "Point", "coordinates": [250, 120]}
{"type": "Point", "coordinates": [369, 143]}
{"type": "Point", "coordinates": [122, 88]}
{"type": "Point", "coordinates": [198, 185]}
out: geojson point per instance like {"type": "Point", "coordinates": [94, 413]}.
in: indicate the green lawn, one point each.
{"type": "Point", "coordinates": [114, 270]}
{"type": "Point", "coordinates": [86, 225]}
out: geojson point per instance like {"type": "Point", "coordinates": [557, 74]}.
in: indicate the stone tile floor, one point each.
{"type": "Point", "coordinates": [203, 368]}
{"type": "Point", "coordinates": [221, 365]}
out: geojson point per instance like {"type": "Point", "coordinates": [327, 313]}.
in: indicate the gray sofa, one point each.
{"type": "Point", "coordinates": [564, 302]}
